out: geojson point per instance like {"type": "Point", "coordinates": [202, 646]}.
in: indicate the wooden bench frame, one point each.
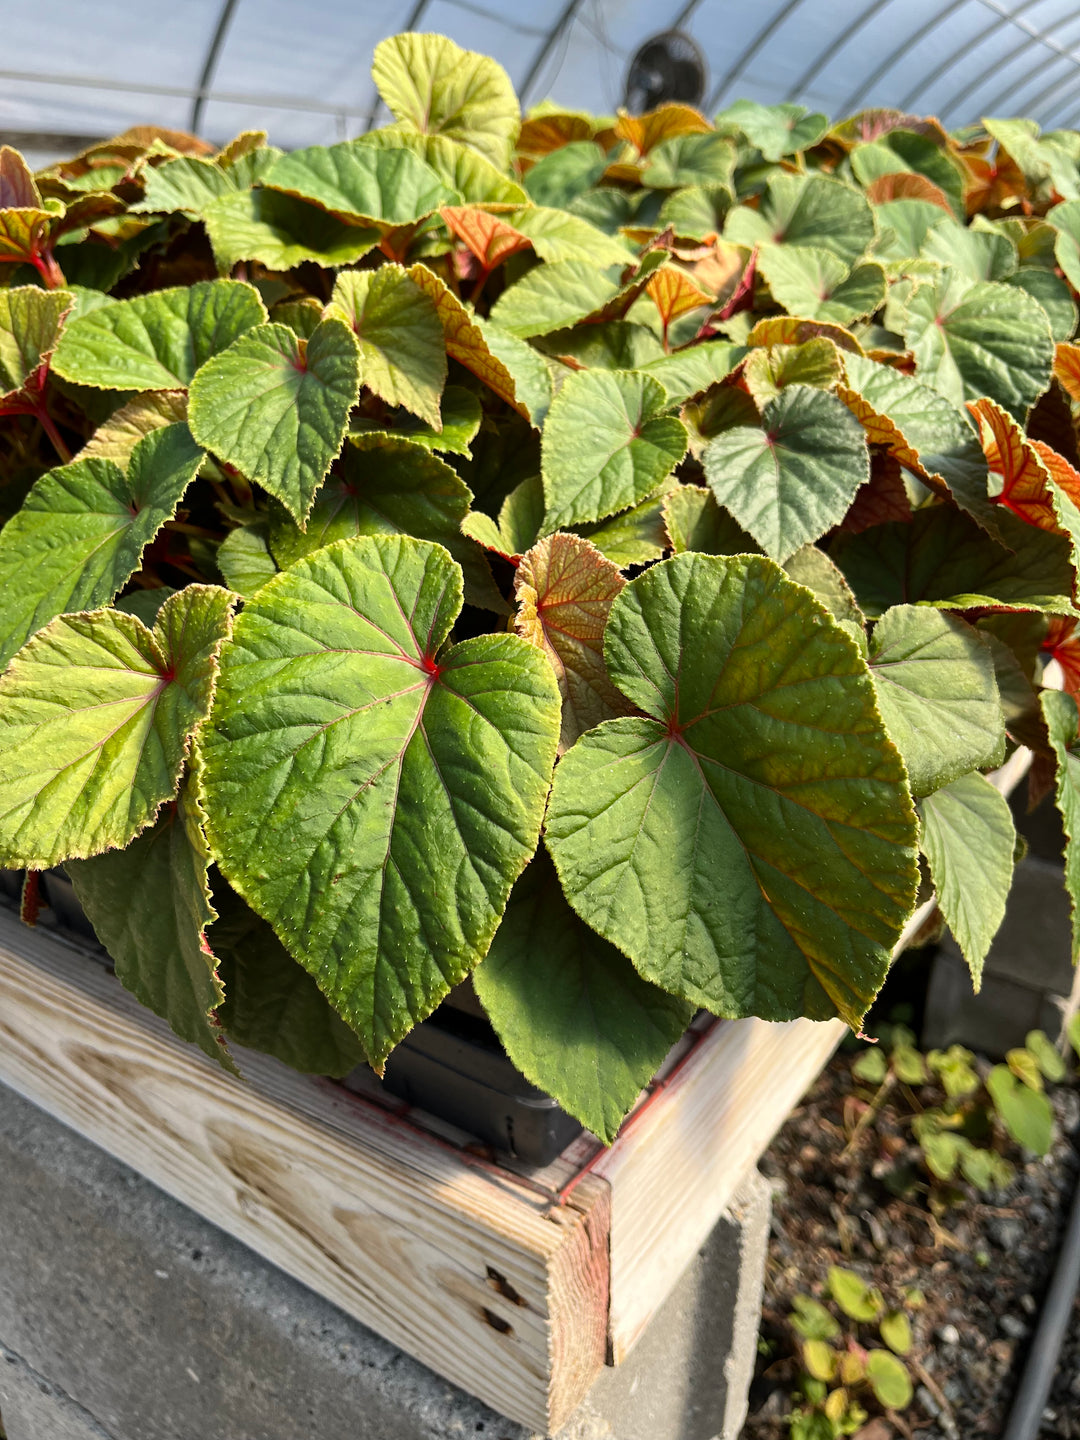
{"type": "Point", "coordinates": [516, 1285]}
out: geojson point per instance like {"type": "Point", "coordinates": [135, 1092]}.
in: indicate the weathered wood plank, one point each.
{"type": "Point", "coordinates": [467, 1269]}
{"type": "Point", "coordinates": [676, 1168]}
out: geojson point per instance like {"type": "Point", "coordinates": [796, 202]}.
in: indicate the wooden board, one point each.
{"type": "Point", "coordinates": [470, 1269]}
{"type": "Point", "coordinates": [515, 1285]}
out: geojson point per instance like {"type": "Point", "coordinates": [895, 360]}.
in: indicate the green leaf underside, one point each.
{"type": "Point", "coordinates": [271, 1003]}
{"type": "Point", "coordinates": [362, 184]}
{"type": "Point", "coordinates": [574, 1015]}
{"type": "Point", "coordinates": [762, 761]}
{"type": "Point", "coordinates": [96, 714]}
{"type": "Point", "coordinates": [81, 532]}
{"type": "Point", "coordinates": [942, 558]}
{"type": "Point", "coordinates": [971, 338]}
{"type": "Point", "coordinates": [402, 351]}
{"type": "Point", "coordinates": [938, 696]}
{"type": "Point", "coordinates": [281, 232]}
{"type": "Point", "coordinates": [277, 407]}
{"type": "Point", "coordinates": [1063, 722]}
{"type": "Point", "coordinates": [969, 839]}
{"type": "Point", "coordinates": [157, 341]}
{"type": "Point", "coordinates": [605, 447]}
{"type": "Point", "coordinates": [376, 812]}
{"type": "Point", "coordinates": [150, 907]}
{"type": "Point", "coordinates": [790, 479]}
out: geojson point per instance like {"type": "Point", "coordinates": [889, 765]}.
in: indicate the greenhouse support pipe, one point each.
{"type": "Point", "coordinates": [1025, 1418]}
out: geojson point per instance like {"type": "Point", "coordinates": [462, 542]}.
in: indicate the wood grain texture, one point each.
{"type": "Point", "coordinates": [469, 1270]}
{"type": "Point", "coordinates": [675, 1170]}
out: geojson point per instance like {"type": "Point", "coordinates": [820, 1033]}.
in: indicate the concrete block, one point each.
{"type": "Point", "coordinates": [154, 1325]}
{"type": "Point", "coordinates": [31, 1407]}
{"type": "Point", "coordinates": [1027, 978]}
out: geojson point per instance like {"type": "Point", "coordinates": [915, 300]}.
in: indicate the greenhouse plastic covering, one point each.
{"type": "Point", "coordinates": [71, 70]}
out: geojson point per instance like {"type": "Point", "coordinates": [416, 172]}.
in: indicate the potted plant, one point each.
{"type": "Point", "coordinates": [597, 557]}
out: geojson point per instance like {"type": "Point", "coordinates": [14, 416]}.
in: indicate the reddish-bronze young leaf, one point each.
{"type": "Point", "coordinates": [664, 123]}
{"type": "Point", "coordinates": [1025, 488]}
{"type": "Point", "coordinates": [674, 293]}
{"type": "Point", "coordinates": [17, 188]}
{"type": "Point", "coordinates": [991, 183]}
{"type": "Point", "coordinates": [490, 238]}
{"type": "Point", "coordinates": [564, 588]}
{"type": "Point", "coordinates": [883, 497]}
{"type": "Point", "coordinates": [906, 185]}
{"type": "Point", "coordinates": [1063, 645]}
{"type": "Point", "coordinates": [1067, 369]}
{"type": "Point", "coordinates": [544, 133]}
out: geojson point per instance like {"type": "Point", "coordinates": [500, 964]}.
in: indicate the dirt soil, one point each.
{"type": "Point", "coordinates": [983, 1266]}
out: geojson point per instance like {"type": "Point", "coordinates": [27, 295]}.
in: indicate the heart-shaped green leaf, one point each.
{"type": "Point", "coordinates": [150, 907]}
{"type": "Point", "coordinates": [557, 236]}
{"type": "Point", "coordinates": [550, 297]}
{"type": "Point", "coordinates": [806, 210]}
{"type": "Point", "coordinates": [971, 339]}
{"type": "Point", "coordinates": [978, 254]}
{"type": "Point", "coordinates": [705, 159]}
{"type": "Point", "coordinates": [606, 446]}
{"type": "Point", "coordinates": [281, 232]}
{"type": "Point", "coordinates": [969, 839]}
{"type": "Point", "coordinates": [939, 699]}
{"type": "Point", "coordinates": [361, 184]}
{"type": "Point", "coordinates": [816, 284]}
{"type": "Point", "coordinates": [460, 168]}
{"type": "Point", "coordinates": [775, 130]}
{"type": "Point", "coordinates": [96, 715]}
{"type": "Point", "coordinates": [371, 794]}
{"type": "Point", "coordinates": [574, 1015]}
{"type": "Point", "coordinates": [562, 175]}
{"type": "Point", "coordinates": [942, 558]}
{"type": "Point", "coordinates": [690, 372]}
{"type": "Point", "coordinates": [432, 85]}
{"type": "Point", "coordinates": [188, 184]}
{"type": "Point", "coordinates": [792, 477]}
{"type": "Point", "coordinates": [749, 844]}
{"type": "Point", "coordinates": [81, 532]}
{"type": "Point", "coordinates": [157, 341]}
{"type": "Point", "coordinates": [386, 486]}
{"type": "Point", "coordinates": [277, 407]}
{"type": "Point", "coordinates": [402, 350]}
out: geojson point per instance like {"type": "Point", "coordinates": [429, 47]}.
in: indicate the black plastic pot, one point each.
{"type": "Point", "coordinates": [451, 1065]}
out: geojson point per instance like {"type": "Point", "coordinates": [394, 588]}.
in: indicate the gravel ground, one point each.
{"type": "Point", "coordinates": [983, 1267]}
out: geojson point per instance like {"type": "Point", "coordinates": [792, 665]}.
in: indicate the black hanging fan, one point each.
{"type": "Point", "coordinates": [668, 67]}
